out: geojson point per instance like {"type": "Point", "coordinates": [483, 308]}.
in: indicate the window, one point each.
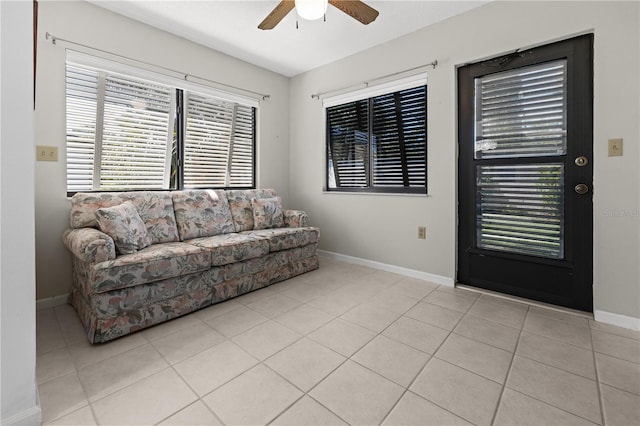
{"type": "Point", "coordinates": [133, 131]}
{"type": "Point", "coordinates": [378, 143]}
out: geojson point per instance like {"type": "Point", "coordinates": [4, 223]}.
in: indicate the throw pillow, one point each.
{"type": "Point", "coordinates": [202, 213]}
{"type": "Point", "coordinates": [124, 225]}
{"type": "Point", "coordinates": [267, 213]}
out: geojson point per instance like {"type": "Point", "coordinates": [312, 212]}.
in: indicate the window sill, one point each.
{"type": "Point", "coordinates": [377, 194]}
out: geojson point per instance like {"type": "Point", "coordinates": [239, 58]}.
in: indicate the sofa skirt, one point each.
{"type": "Point", "coordinates": [105, 329]}
{"type": "Point", "coordinates": [112, 314]}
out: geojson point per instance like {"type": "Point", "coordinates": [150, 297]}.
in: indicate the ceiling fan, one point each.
{"type": "Point", "coordinates": [354, 8]}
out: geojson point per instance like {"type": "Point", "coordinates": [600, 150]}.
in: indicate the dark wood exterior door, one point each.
{"type": "Point", "coordinates": [525, 172]}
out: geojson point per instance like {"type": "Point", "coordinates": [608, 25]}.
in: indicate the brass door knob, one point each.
{"type": "Point", "coordinates": [581, 188]}
{"type": "Point", "coordinates": [581, 161]}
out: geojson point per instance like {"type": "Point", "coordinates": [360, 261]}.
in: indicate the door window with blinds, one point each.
{"type": "Point", "coordinates": [519, 114]}
{"type": "Point", "coordinates": [378, 143]}
{"type": "Point", "coordinates": [130, 132]}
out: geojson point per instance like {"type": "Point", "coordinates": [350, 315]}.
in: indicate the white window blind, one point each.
{"type": "Point", "coordinates": [520, 209]}
{"type": "Point", "coordinates": [82, 104]}
{"type": "Point", "coordinates": [522, 112]}
{"type": "Point", "coordinates": [123, 134]}
{"type": "Point", "coordinates": [119, 131]}
{"type": "Point", "coordinates": [218, 147]}
{"type": "Point", "coordinates": [139, 119]}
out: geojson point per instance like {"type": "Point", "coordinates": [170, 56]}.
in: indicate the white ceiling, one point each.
{"type": "Point", "coordinates": [231, 27]}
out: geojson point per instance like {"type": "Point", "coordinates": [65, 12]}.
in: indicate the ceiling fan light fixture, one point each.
{"type": "Point", "coordinates": [311, 9]}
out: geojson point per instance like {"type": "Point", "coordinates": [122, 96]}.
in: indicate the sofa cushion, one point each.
{"type": "Point", "coordinates": [240, 204]}
{"type": "Point", "coordinates": [153, 263]}
{"type": "Point", "coordinates": [267, 213]}
{"type": "Point", "coordinates": [286, 238]}
{"type": "Point", "coordinates": [123, 224]}
{"type": "Point", "coordinates": [202, 213]}
{"type": "Point", "coordinates": [295, 219]}
{"type": "Point", "coordinates": [229, 248]}
{"type": "Point", "coordinates": [154, 207]}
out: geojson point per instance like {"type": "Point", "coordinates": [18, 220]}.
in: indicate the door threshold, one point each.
{"type": "Point", "coordinates": [562, 309]}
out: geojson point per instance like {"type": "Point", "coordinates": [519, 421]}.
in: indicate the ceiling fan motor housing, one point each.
{"type": "Point", "coordinates": [311, 9]}
{"type": "Point", "coordinates": [315, 9]}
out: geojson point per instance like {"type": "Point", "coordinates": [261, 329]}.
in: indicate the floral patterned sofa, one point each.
{"type": "Point", "coordinates": [141, 258]}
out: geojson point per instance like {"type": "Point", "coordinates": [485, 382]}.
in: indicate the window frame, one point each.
{"type": "Point", "coordinates": [180, 87]}
{"type": "Point", "coordinates": [369, 93]}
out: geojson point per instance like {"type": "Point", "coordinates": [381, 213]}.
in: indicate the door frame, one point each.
{"type": "Point", "coordinates": [465, 224]}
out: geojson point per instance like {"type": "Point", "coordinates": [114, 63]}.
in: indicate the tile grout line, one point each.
{"type": "Point", "coordinates": [553, 406]}
{"type": "Point", "coordinates": [610, 355]}
{"type": "Point", "coordinates": [169, 366]}
{"type": "Point", "coordinates": [621, 333]}
{"type": "Point", "coordinates": [551, 366]}
{"type": "Point", "coordinates": [529, 302]}
{"type": "Point", "coordinates": [559, 368]}
{"type": "Point", "coordinates": [59, 329]}
{"type": "Point", "coordinates": [307, 393]}
{"type": "Point", "coordinates": [199, 398]}
{"type": "Point", "coordinates": [349, 358]}
{"type": "Point", "coordinates": [74, 372]}
{"type": "Point", "coordinates": [549, 404]}
{"type": "Point", "coordinates": [262, 362]}
{"type": "Point", "coordinates": [365, 344]}
{"type": "Point", "coordinates": [598, 383]}
{"type": "Point", "coordinates": [480, 341]}
{"type": "Point", "coordinates": [187, 406]}
{"type": "Point", "coordinates": [510, 369]}
{"type": "Point", "coordinates": [77, 373]}
{"type": "Point", "coordinates": [432, 356]}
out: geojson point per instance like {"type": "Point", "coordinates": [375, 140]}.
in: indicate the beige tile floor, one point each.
{"type": "Point", "coordinates": [345, 345]}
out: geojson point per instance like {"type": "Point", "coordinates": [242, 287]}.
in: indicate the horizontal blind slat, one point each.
{"type": "Point", "coordinates": [520, 209]}
{"type": "Point", "coordinates": [522, 112]}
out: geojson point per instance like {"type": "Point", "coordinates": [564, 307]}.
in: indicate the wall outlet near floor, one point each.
{"type": "Point", "coordinates": [46, 153]}
{"type": "Point", "coordinates": [422, 232]}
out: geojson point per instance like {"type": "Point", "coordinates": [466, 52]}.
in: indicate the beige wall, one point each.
{"type": "Point", "coordinates": [19, 403]}
{"type": "Point", "coordinates": [375, 227]}
{"type": "Point", "coordinates": [384, 228]}
{"type": "Point", "coordinates": [90, 25]}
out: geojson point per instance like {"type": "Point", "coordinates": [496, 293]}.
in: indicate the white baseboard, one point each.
{"type": "Point", "coordinates": [50, 302]}
{"type": "Point", "coordinates": [437, 279]}
{"type": "Point", "coordinates": [617, 319]}
{"type": "Point", "coordinates": [29, 417]}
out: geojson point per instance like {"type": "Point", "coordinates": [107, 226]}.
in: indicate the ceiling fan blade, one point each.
{"type": "Point", "coordinates": [277, 14]}
{"type": "Point", "coordinates": [357, 10]}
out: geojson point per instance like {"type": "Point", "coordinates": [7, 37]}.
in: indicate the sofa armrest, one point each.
{"type": "Point", "coordinates": [89, 245]}
{"type": "Point", "coordinates": [295, 219]}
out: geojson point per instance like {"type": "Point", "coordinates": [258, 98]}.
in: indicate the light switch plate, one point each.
{"type": "Point", "coordinates": [422, 232]}
{"type": "Point", "coordinates": [46, 153]}
{"type": "Point", "coordinates": [615, 147]}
